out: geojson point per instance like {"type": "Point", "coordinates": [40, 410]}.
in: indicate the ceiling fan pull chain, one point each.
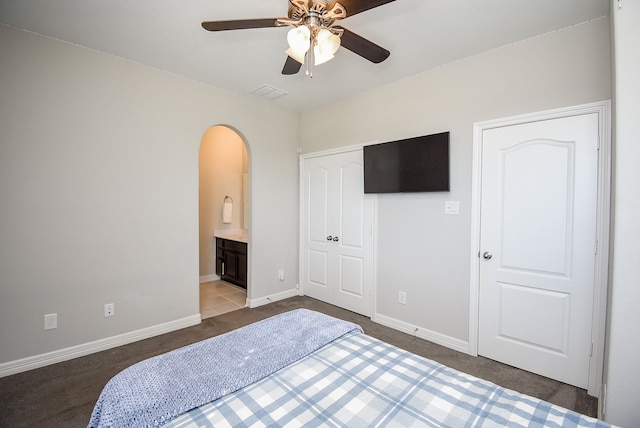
{"type": "Point", "coordinates": [311, 56]}
{"type": "Point", "coordinates": [309, 71]}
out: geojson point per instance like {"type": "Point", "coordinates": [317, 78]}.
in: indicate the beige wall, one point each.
{"type": "Point", "coordinates": [622, 375]}
{"type": "Point", "coordinates": [99, 196]}
{"type": "Point", "coordinates": [419, 250]}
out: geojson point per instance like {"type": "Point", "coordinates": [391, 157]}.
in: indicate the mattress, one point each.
{"type": "Point", "coordinates": [342, 378]}
{"type": "Point", "coordinates": [360, 381]}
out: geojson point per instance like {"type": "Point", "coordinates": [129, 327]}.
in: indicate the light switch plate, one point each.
{"type": "Point", "coordinates": [452, 207]}
{"type": "Point", "coordinates": [402, 297]}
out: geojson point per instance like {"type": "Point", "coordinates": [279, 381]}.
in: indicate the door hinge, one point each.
{"type": "Point", "coordinates": [598, 146]}
{"type": "Point", "coordinates": [595, 247]}
{"type": "Point", "coordinates": [591, 350]}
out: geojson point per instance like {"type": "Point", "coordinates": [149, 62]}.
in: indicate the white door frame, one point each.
{"type": "Point", "coordinates": [603, 109]}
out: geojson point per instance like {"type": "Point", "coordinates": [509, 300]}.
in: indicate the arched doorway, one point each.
{"type": "Point", "coordinates": [223, 212]}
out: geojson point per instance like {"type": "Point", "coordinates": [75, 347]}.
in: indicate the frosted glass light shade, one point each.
{"type": "Point", "coordinates": [328, 42]}
{"type": "Point", "coordinates": [299, 39]}
{"type": "Point", "coordinates": [296, 55]}
{"type": "Point", "coordinates": [319, 56]}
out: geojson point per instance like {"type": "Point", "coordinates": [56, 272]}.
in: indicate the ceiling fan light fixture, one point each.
{"type": "Point", "coordinates": [325, 44]}
{"type": "Point", "coordinates": [313, 27]}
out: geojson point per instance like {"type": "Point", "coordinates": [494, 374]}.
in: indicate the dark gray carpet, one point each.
{"type": "Point", "coordinates": [63, 395]}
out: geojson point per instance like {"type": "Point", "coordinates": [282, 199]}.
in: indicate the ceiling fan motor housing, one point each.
{"type": "Point", "coordinates": [315, 12]}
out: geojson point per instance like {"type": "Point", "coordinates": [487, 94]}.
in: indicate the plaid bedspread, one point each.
{"type": "Point", "coordinates": [359, 381]}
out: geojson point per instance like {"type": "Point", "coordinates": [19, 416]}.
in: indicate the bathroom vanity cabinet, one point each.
{"type": "Point", "coordinates": [231, 261]}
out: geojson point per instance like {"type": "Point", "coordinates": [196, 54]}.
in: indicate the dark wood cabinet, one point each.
{"type": "Point", "coordinates": [231, 261]}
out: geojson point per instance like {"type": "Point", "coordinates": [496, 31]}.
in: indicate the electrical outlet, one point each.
{"type": "Point", "coordinates": [109, 310]}
{"type": "Point", "coordinates": [402, 297]}
{"type": "Point", "coordinates": [281, 274]}
{"type": "Point", "coordinates": [50, 321]}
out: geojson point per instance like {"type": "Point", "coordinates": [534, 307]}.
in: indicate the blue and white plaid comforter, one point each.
{"type": "Point", "coordinates": [359, 381]}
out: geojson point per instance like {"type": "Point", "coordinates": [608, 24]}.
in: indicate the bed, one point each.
{"type": "Point", "coordinates": [304, 368]}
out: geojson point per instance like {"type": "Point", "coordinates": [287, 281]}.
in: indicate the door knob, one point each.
{"type": "Point", "coordinates": [487, 255]}
{"type": "Point", "coordinates": [335, 239]}
{"type": "Point", "coordinates": [329, 238]}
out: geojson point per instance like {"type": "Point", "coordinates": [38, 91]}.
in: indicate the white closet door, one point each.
{"type": "Point", "coordinates": [337, 242]}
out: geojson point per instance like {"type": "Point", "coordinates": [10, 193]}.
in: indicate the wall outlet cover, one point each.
{"type": "Point", "coordinates": [50, 321]}
{"type": "Point", "coordinates": [109, 310]}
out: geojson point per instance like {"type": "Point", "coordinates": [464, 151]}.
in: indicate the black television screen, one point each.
{"type": "Point", "coordinates": [419, 164]}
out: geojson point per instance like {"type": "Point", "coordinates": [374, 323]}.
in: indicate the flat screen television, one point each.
{"type": "Point", "coordinates": [419, 164]}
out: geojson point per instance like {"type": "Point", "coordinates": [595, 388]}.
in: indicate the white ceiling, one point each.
{"type": "Point", "coordinates": [166, 34]}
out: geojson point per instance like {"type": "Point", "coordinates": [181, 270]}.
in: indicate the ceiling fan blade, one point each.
{"type": "Point", "coordinates": [239, 24]}
{"type": "Point", "coordinates": [363, 47]}
{"type": "Point", "coordinates": [291, 66]}
{"type": "Point", "coordinates": [357, 6]}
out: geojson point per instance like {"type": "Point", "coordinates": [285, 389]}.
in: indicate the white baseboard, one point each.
{"type": "Point", "coordinates": [37, 361]}
{"type": "Point", "coordinates": [254, 303]}
{"type": "Point", "coordinates": [207, 278]}
{"type": "Point", "coordinates": [422, 333]}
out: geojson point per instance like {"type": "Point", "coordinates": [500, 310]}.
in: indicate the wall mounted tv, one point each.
{"type": "Point", "coordinates": [419, 164]}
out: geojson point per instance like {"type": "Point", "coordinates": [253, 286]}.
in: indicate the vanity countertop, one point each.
{"type": "Point", "coordinates": [239, 235]}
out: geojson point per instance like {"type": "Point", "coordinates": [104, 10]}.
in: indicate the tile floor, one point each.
{"type": "Point", "coordinates": [219, 297]}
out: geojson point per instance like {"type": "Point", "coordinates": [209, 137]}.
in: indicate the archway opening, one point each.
{"type": "Point", "coordinates": [223, 217]}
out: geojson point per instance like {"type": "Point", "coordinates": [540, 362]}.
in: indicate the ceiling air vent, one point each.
{"type": "Point", "coordinates": [268, 92]}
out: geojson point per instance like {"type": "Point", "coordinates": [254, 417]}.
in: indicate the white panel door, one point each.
{"type": "Point", "coordinates": [319, 247]}
{"type": "Point", "coordinates": [537, 246]}
{"type": "Point", "coordinates": [336, 250]}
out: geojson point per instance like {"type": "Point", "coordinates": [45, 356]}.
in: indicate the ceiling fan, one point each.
{"type": "Point", "coordinates": [314, 38]}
